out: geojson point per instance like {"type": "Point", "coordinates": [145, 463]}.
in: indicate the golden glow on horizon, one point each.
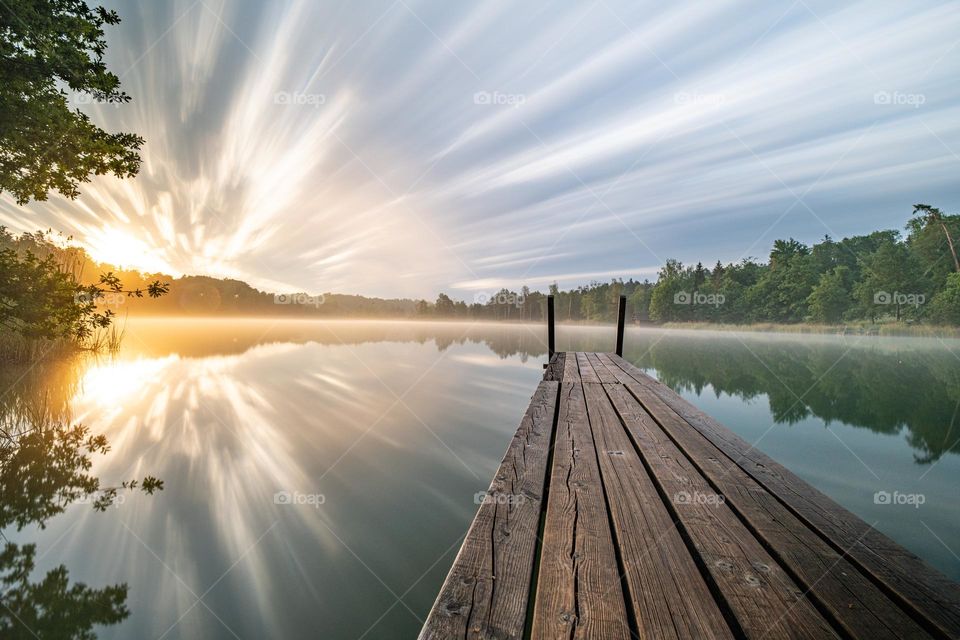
{"type": "Point", "coordinates": [123, 249]}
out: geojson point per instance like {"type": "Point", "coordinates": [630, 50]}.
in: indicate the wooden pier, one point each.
{"type": "Point", "coordinates": [622, 511]}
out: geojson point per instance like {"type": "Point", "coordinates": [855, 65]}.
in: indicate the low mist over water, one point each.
{"type": "Point", "coordinates": [333, 466]}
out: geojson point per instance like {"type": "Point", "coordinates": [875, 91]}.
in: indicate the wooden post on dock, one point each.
{"type": "Point", "coordinates": [551, 330]}
{"type": "Point", "coordinates": [621, 317]}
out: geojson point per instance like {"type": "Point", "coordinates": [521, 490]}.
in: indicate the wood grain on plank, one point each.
{"type": "Point", "coordinates": [667, 592]}
{"type": "Point", "coordinates": [854, 602]}
{"type": "Point", "coordinates": [587, 374]}
{"type": "Point", "coordinates": [603, 373]}
{"type": "Point", "coordinates": [762, 597]}
{"type": "Point", "coordinates": [571, 371]}
{"type": "Point", "coordinates": [485, 594]}
{"type": "Point", "coordinates": [914, 584]}
{"type": "Point", "coordinates": [578, 591]}
{"type": "Point", "coordinates": [554, 370]}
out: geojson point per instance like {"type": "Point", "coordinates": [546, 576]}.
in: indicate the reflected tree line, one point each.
{"type": "Point", "coordinates": [45, 464]}
{"type": "Point", "coordinates": [886, 385]}
{"type": "Point", "coordinates": [884, 388]}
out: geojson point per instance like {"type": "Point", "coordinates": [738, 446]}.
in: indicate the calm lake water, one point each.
{"type": "Point", "coordinates": [319, 476]}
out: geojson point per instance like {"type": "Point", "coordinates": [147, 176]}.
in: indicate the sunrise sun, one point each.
{"type": "Point", "coordinates": [123, 249]}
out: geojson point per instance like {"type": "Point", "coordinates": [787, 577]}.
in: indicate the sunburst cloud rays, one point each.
{"type": "Point", "coordinates": [401, 148]}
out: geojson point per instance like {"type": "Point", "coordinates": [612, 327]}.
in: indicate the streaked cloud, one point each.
{"type": "Point", "coordinates": [402, 148]}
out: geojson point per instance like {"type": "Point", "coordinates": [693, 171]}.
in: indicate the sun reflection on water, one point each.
{"type": "Point", "coordinates": [221, 434]}
{"type": "Point", "coordinates": [232, 414]}
{"type": "Point", "coordinates": [396, 425]}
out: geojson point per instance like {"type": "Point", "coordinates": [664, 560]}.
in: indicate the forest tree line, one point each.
{"type": "Point", "coordinates": [880, 277]}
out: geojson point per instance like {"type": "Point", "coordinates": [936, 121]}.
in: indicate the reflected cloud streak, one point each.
{"type": "Point", "coordinates": [283, 453]}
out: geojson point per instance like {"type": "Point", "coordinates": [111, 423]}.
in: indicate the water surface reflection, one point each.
{"type": "Point", "coordinates": [319, 475]}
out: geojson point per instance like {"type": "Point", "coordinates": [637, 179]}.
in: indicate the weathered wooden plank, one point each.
{"type": "Point", "coordinates": [578, 591]}
{"type": "Point", "coordinates": [666, 590]}
{"type": "Point", "coordinates": [854, 602]}
{"type": "Point", "coordinates": [570, 369]}
{"type": "Point", "coordinates": [554, 369]}
{"type": "Point", "coordinates": [485, 594]}
{"type": "Point", "coordinates": [928, 595]}
{"type": "Point", "coordinates": [587, 374]}
{"type": "Point", "coordinates": [603, 373]}
{"type": "Point", "coordinates": [762, 597]}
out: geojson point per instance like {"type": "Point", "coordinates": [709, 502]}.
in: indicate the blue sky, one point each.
{"type": "Point", "coordinates": [400, 148]}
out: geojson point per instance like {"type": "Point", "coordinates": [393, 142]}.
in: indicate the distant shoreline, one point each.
{"type": "Point", "coordinates": [877, 330]}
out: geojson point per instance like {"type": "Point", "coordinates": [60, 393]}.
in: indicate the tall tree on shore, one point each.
{"type": "Point", "coordinates": [47, 47]}
{"type": "Point", "coordinates": [830, 297]}
{"type": "Point", "coordinates": [928, 216]}
{"type": "Point", "coordinates": [444, 306]}
{"type": "Point", "coordinates": [890, 273]}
